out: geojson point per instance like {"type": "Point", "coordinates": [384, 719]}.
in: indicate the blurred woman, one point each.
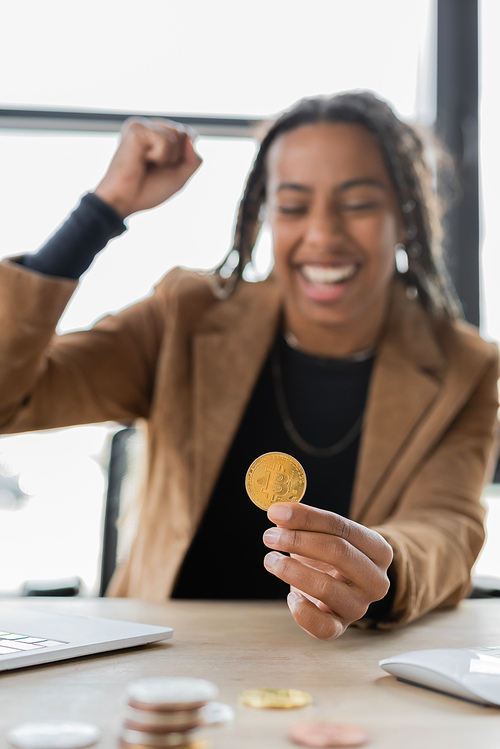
{"type": "Point", "coordinates": [361, 371]}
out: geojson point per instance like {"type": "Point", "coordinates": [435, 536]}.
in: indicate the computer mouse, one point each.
{"type": "Point", "coordinates": [470, 673]}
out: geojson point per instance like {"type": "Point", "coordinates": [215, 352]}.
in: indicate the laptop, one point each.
{"type": "Point", "coordinates": [32, 636]}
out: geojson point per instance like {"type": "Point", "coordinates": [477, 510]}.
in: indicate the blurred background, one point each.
{"type": "Point", "coordinates": [71, 73]}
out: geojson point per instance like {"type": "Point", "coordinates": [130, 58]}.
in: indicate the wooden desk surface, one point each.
{"type": "Point", "coordinates": [244, 645]}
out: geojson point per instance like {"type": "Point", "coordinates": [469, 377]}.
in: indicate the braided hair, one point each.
{"type": "Point", "coordinates": [404, 154]}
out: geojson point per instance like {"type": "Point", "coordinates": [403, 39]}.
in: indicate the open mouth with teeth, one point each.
{"type": "Point", "coordinates": [318, 274]}
{"type": "Point", "coordinates": [326, 282]}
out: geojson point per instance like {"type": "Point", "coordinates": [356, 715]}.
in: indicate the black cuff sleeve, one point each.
{"type": "Point", "coordinates": [69, 252]}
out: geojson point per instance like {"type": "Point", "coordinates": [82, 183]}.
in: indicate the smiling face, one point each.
{"type": "Point", "coordinates": [335, 223]}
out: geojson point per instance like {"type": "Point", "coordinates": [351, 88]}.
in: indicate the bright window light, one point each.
{"type": "Point", "coordinates": [489, 22]}
{"type": "Point", "coordinates": [220, 58]}
{"type": "Point", "coordinates": [212, 57]}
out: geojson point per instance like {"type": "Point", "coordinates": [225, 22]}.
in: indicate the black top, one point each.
{"type": "Point", "coordinates": [324, 399]}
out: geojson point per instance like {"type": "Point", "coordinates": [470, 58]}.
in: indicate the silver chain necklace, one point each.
{"type": "Point", "coordinates": [293, 342]}
{"type": "Point", "coordinates": [300, 442]}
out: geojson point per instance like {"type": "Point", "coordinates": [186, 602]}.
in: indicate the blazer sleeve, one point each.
{"type": "Point", "coordinates": [49, 380]}
{"type": "Point", "coordinates": [436, 529]}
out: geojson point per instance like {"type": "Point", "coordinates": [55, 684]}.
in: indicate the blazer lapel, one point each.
{"type": "Point", "coordinates": [229, 351]}
{"type": "Point", "coordinates": [406, 383]}
{"type": "Point", "coordinates": [230, 345]}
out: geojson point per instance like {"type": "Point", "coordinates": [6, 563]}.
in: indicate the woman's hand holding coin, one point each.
{"type": "Point", "coordinates": [336, 568]}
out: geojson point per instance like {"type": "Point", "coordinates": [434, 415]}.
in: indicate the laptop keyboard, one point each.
{"type": "Point", "coordinates": [11, 643]}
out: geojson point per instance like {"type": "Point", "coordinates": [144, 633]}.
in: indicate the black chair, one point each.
{"type": "Point", "coordinates": [485, 587]}
{"type": "Point", "coordinates": [68, 586]}
{"type": "Point", "coordinates": [120, 515]}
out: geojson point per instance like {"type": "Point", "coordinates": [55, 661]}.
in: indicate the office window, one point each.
{"type": "Point", "coordinates": [489, 113]}
{"type": "Point", "coordinates": [489, 152]}
{"type": "Point", "coordinates": [218, 58]}
{"type": "Point", "coordinates": [194, 229]}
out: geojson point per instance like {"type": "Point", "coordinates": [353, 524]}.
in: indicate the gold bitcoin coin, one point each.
{"type": "Point", "coordinates": [275, 477]}
{"type": "Point", "coordinates": [275, 699]}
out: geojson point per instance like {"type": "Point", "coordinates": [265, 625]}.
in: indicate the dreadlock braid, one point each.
{"type": "Point", "coordinates": [404, 154]}
{"type": "Point", "coordinates": [248, 223]}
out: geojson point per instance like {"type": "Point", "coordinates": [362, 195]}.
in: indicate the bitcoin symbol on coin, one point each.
{"type": "Point", "coordinates": [276, 484]}
{"type": "Point", "coordinates": [275, 477]}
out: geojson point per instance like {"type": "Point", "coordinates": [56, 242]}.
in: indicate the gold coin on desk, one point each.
{"type": "Point", "coordinates": [275, 699]}
{"type": "Point", "coordinates": [275, 477]}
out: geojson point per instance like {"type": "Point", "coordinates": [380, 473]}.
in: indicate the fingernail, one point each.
{"type": "Point", "coordinates": [279, 512]}
{"type": "Point", "coordinates": [191, 132]}
{"type": "Point", "coordinates": [271, 559]}
{"type": "Point", "coordinates": [272, 536]}
{"type": "Point", "coordinates": [294, 598]}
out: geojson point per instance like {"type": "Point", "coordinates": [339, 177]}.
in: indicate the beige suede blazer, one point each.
{"type": "Point", "coordinates": [187, 363]}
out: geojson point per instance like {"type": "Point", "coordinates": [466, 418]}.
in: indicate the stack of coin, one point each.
{"type": "Point", "coordinates": [166, 712]}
